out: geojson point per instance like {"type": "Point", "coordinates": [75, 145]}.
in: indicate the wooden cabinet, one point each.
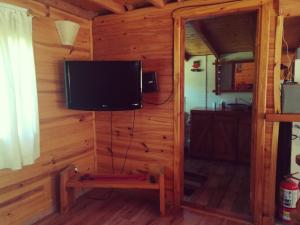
{"type": "Point", "coordinates": [221, 135]}
{"type": "Point", "coordinates": [201, 135]}
{"type": "Point", "coordinates": [244, 139]}
{"type": "Point", "coordinates": [224, 132]}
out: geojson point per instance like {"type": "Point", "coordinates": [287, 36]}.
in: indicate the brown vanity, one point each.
{"type": "Point", "coordinates": [220, 135]}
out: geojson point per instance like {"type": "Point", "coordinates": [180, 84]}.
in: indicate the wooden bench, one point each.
{"type": "Point", "coordinates": [70, 181]}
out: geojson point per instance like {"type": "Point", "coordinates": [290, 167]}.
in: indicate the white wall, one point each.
{"type": "Point", "coordinates": [295, 150]}
{"type": "Point", "coordinates": [296, 131]}
{"type": "Point", "coordinates": [237, 56]}
{"type": "Point", "coordinates": [194, 86]}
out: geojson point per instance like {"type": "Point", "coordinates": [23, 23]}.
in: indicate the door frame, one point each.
{"type": "Point", "coordinates": [259, 94]}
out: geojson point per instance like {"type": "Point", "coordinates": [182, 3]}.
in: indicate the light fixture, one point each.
{"type": "Point", "coordinates": [67, 31]}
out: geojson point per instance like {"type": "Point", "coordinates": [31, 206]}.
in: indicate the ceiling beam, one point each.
{"type": "Point", "coordinates": [206, 38]}
{"type": "Point", "coordinates": [129, 7]}
{"type": "Point", "coordinates": [69, 8]}
{"type": "Point", "coordinates": [158, 3]}
{"type": "Point", "coordinates": [111, 5]}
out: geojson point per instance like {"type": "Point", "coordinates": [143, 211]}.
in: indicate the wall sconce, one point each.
{"type": "Point", "coordinates": [67, 31]}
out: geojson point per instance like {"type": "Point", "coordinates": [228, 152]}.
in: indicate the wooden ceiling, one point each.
{"type": "Point", "coordinates": [221, 35]}
{"type": "Point", "coordinates": [194, 45]}
{"type": "Point", "coordinates": [292, 33]}
{"type": "Point", "coordinates": [213, 35]}
{"type": "Point", "coordinates": [91, 8]}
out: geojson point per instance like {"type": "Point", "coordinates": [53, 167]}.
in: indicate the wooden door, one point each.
{"type": "Point", "coordinates": [201, 135]}
{"type": "Point", "coordinates": [224, 129]}
{"type": "Point", "coordinates": [244, 139]}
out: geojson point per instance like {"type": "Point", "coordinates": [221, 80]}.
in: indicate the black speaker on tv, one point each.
{"type": "Point", "coordinates": [150, 82]}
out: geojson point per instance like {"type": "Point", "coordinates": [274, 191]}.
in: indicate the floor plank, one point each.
{"type": "Point", "coordinates": [122, 207]}
{"type": "Point", "coordinates": [223, 185]}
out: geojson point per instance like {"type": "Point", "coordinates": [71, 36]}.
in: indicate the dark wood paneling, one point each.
{"type": "Point", "coordinates": [221, 135]}
{"type": "Point", "coordinates": [201, 136]}
{"type": "Point", "coordinates": [225, 135]}
{"type": "Point", "coordinates": [244, 139]}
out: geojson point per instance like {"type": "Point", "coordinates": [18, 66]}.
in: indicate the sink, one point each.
{"type": "Point", "coordinates": [238, 107]}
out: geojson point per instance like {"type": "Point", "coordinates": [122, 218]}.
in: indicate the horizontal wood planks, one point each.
{"type": "Point", "coordinates": [289, 7]}
{"type": "Point", "coordinates": [131, 207]}
{"type": "Point", "coordinates": [66, 135]}
{"type": "Point", "coordinates": [146, 37]}
{"type": "Point", "coordinates": [285, 117]}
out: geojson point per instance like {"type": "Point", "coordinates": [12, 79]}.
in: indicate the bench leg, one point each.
{"type": "Point", "coordinates": [66, 199]}
{"type": "Point", "coordinates": [162, 196]}
{"type": "Point", "coordinates": [67, 195]}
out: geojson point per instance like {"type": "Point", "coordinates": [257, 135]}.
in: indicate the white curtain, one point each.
{"type": "Point", "coordinates": [19, 122]}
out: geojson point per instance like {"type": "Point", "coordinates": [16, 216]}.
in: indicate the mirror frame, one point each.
{"type": "Point", "coordinates": [218, 90]}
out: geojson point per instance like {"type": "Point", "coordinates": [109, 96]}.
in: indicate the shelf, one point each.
{"type": "Point", "coordinates": [284, 117]}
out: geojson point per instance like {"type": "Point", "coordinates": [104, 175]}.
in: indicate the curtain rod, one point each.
{"type": "Point", "coordinates": [18, 8]}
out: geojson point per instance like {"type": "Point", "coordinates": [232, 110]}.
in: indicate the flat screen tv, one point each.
{"type": "Point", "coordinates": [103, 85]}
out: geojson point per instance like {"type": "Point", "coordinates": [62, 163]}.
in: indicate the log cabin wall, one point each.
{"type": "Point", "coordinates": [148, 35]}
{"type": "Point", "coordinates": [270, 154]}
{"type": "Point", "coordinates": [66, 136]}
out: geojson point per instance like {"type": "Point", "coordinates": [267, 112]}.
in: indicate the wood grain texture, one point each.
{"type": "Point", "coordinates": [157, 3]}
{"type": "Point", "coordinates": [111, 5]}
{"type": "Point", "coordinates": [134, 207]}
{"type": "Point", "coordinates": [218, 186]}
{"type": "Point", "coordinates": [227, 33]}
{"type": "Point", "coordinates": [257, 157]}
{"type": "Point", "coordinates": [269, 153]}
{"type": "Point", "coordinates": [147, 35]}
{"type": "Point", "coordinates": [262, 186]}
{"type": "Point", "coordinates": [66, 135]}
{"type": "Point", "coordinates": [147, 38]}
{"type": "Point", "coordinates": [69, 8]}
{"type": "Point", "coordinates": [284, 117]}
{"type": "Point", "coordinates": [203, 36]}
{"type": "Point", "coordinates": [179, 126]}
{"type": "Point", "coordinates": [244, 74]}
{"type": "Point", "coordinates": [291, 33]}
{"type": "Point", "coordinates": [104, 7]}
{"type": "Point", "coordinates": [194, 44]}
{"type": "Point", "coordinates": [289, 8]}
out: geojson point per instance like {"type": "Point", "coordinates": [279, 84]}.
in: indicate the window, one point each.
{"type": "Point", "coordinates": [19, 122]}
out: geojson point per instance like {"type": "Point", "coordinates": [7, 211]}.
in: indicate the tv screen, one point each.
{"type": "Point", "coordinates": [103, 85]}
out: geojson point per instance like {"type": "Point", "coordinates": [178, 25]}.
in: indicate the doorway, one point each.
{"type": "Point", "coordinates": [258, 122]}
{"type": "Point", "coordinates": [219, 75]}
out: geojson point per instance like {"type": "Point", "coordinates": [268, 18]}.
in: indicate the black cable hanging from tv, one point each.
{"type": "Point", "coordinates": [160, 103]}
{"type": "Point", "coordinates": [111, 144]}
{"type": "Point", "coordinates": [129, 144]}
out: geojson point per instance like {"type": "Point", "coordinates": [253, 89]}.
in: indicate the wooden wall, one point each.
{"type": "Point", "coordinates": [269, 154]}
{"type": "Point", "coordinates": [148, 38]}
{"type": "Point", "coordinates": [66, 136]}
{"type": "Point", "coordinates": [148, 35]}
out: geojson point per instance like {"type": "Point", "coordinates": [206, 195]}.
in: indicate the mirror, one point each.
{"type": "Point", "coordinates": [234, 76]}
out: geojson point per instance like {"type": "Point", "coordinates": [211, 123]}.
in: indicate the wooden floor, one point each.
{"type": "Point", "coordinates": [103, 207]}
{"type": "Point", "coordinates": [218, 185]}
